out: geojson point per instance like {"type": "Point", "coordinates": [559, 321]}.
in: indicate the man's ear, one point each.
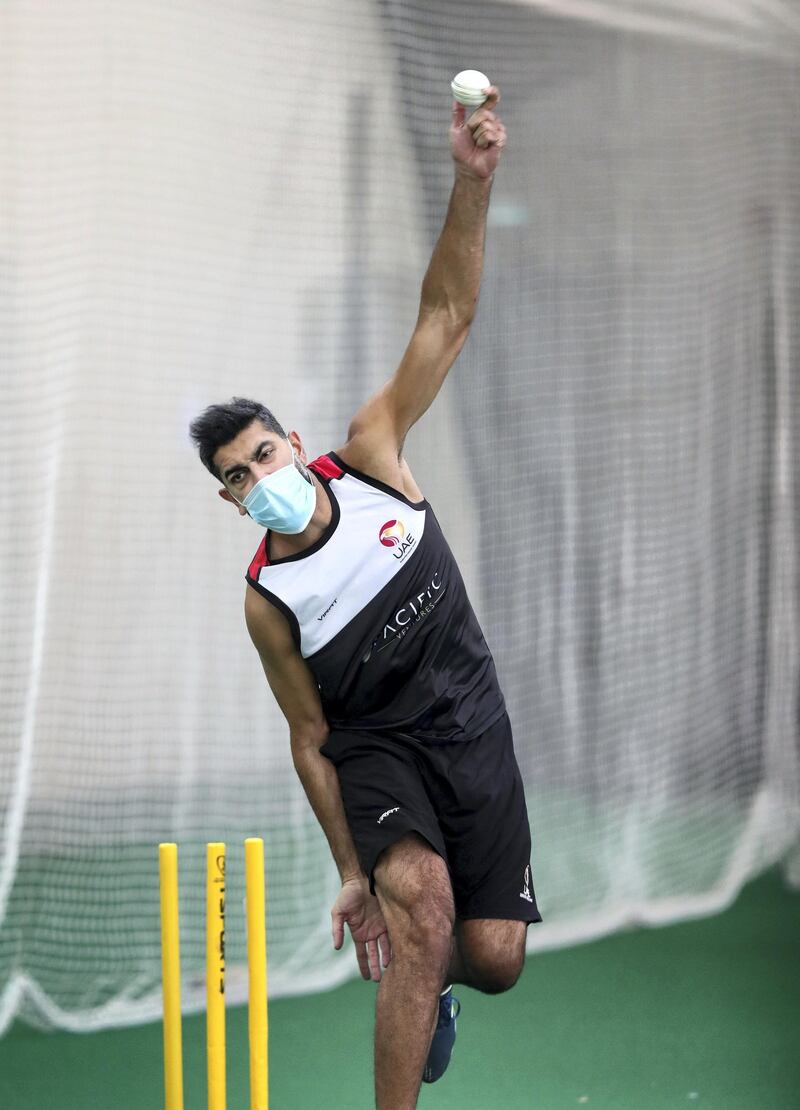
{"type": "Point", "coordinates": [299, 449]}
{"type": "Point", "coordinates": [229, 497]}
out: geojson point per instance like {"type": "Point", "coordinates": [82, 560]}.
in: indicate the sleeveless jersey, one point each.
{"type": "Point", "coordinates": [379, 611]}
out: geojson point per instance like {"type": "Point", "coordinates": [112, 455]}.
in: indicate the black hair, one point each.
{"type": "Point", "coordinates": [219, 424]}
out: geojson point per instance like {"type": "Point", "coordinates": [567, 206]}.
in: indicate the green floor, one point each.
{"type": "Point", "coordinates": [704, 1014]}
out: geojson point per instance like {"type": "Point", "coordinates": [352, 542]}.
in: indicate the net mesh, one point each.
{"type": "Point", "coordinates": [202, 200]}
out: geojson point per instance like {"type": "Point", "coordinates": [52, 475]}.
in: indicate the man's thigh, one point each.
{"type": "Point", "coordinates": [479, 797]}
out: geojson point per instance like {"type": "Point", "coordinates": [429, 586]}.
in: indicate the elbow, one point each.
{"type": "Point", "coordinates": [451, 317]}
{"type": "Point", "coordinates": [452, 304]}
{"type": "Point", "coordinates": [307, 740]}
{"type": "Point", "coordinates": [461, 317]}
{"type": "Point", "coordinates": [466, 318]}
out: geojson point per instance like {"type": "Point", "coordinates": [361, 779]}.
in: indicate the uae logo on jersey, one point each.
{"type": "Point", "coordinates": [393, 534]}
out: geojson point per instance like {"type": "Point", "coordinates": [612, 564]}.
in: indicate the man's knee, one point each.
{"type": "Point", "coordinates": [413, 887]}
{"type": "Point", "coordinates": [496, 973]}
{"type": "Point", "coordinates": [493, 954]}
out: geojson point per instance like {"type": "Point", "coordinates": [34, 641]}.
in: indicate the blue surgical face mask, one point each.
{"type": "Point", "coordinates": [283, 500]}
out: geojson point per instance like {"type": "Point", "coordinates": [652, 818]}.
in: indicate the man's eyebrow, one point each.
{"type": "Point", "coordinates": [239, 466]}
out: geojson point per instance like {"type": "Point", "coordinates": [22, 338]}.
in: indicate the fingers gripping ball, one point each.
{"type": "Point", "coordinates": [469, 87]}
{"type": "Point", "coordinates": [477, 142]}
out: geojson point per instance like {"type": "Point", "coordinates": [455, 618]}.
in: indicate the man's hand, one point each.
{"type": "Point", "coordinates": [447, 304]}
{"type": "Point", "coordinates": [361, 911]}
{"type": "Point", "coordinates": [477, 143]}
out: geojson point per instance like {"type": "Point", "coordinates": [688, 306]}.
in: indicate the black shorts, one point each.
{"type": "Point", "coordinates": [465, 798]}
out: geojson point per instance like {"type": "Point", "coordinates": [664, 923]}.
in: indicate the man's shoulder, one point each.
{"type": "Point", "coordinates": [259, 560]}
{"type": "Point", "coordinates": [390, 471]}
{"type": "Point", "coordinates": [327, 466]}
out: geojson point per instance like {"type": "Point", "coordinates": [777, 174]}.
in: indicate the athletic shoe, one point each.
{"type": "Point", "coordinates": [443, 1038]}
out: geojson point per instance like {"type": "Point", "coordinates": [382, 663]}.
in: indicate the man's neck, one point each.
{"type": "Point", "coordinates": [281, 544]}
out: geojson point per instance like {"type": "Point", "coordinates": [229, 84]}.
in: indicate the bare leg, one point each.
{"type": "Point", "coordinates": [416, 898]}
{"type": "Point", "coordinates": [487, 954]}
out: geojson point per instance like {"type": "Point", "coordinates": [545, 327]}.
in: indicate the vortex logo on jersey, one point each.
{"type": "Point", "coordinates": [391, 534]}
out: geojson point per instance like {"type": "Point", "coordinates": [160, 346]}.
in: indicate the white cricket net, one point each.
{"type": "Point", "coordinates": [199, 200]}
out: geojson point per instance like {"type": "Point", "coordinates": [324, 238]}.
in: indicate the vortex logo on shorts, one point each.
{"type": "Point", "coordinates": [392, 532]}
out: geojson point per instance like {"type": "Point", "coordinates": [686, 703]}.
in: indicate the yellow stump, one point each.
{"type": "Point", "coordinates": [215, 975]}
{"type": "Point", "coordinates": [257, 966]}
{"type": "Point", "coordinates": [171, 976]}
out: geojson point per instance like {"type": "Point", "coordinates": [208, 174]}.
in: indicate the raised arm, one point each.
{"type": "Point", "coordinates": [448, 298]}
{"type": "Point", "coordinates": [298, 697]}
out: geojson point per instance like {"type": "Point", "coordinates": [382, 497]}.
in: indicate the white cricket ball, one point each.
{"type": "Point", "coordinates": [467, 87]}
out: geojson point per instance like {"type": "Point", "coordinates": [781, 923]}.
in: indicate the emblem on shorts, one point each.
{"type": "Point", "coordinates": [393, 534]}
{"type": "Point", "coordinates": [388, 813]}
{"type": "Point", "coordinates": [526, 885]}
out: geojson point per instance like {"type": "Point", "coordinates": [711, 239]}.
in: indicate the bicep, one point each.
{"type": "Point", "coordinates": [287, 673]}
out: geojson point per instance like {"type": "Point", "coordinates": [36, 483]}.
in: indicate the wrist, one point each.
{"type": "Point", "coordinates": [462, 173]}
{"type": "Point", "coordinates": [352, 877]}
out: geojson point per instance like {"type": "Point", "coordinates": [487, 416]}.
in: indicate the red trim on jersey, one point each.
{"type": "Point", "coordinates": [326, 467]}
{"type": "Point", "coordinates": [260, 560]}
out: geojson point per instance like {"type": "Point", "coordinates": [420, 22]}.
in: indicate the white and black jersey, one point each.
{"type": "Point", "coordinates": [379, 612]}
